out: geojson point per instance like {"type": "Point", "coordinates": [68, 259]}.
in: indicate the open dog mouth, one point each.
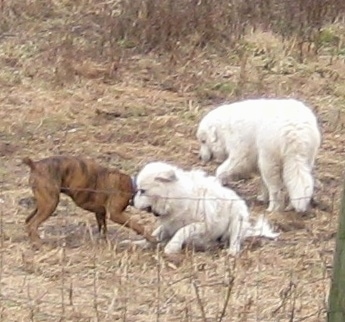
{"type": "Point", "coordinates": [150, 210]}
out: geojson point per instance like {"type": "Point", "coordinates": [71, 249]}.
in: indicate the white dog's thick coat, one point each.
{"type": "Point", "coordinates": [194, 208]}
{"type": "Point", "coordinates": [278, 137]}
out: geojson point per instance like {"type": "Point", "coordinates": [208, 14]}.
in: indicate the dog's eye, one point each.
{"type": "Point", "coordinates": [203, 141]}
{"type": "Point", "coordinates": [141, 191]}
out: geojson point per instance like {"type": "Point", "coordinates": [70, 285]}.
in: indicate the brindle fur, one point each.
{"type": "Point", "coordinates": [91, 186]}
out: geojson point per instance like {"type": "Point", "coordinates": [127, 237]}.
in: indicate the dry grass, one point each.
{"type": "Point", "coordinates": [68, 87]}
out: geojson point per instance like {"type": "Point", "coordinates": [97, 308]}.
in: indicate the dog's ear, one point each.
{"type": "Point", "coordinates": [213, 134]}
{"type": "Point", "coordinates": [166, 176]}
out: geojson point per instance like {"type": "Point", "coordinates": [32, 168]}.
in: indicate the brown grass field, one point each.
{"type": "Point", "coordinates": [66, 90]}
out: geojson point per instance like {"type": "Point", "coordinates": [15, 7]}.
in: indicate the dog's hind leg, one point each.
{"type": "Point", "coordinates": [271, 175]}
{"type": "Point", "coordinates": [194, 231]}
{"type": "Point", "coordinates": [263, 194]}
{"type": "Point", "coordinates": [46, 201]}
{"type": "Point", "coordinates": [33, 213]}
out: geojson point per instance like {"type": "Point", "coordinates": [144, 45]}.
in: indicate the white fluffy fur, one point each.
{"type": "Point", "coordinates": [277, 137]}
{"type": "Point", "coordinates": [194, 208]}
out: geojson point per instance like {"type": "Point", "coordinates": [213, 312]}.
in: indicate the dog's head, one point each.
{"type": "Point", "coordinates": [212, 144]}
{"type": "Point", "coordinates": [153, 184]}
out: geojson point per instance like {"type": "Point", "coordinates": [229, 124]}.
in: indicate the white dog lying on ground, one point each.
{"type": "Point", "coordinates": [194, 208]}
{"type": "Point", "coordinates": [277, 137]}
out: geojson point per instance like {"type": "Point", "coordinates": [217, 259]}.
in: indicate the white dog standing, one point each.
{"type": "Point", "coordinates": [277, 137]}
{"type": "Point", "coordinates": [194, 208]}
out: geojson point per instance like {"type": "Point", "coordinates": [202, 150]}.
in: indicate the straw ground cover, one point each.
{"type": "Point", "coordinates": [69, 88]}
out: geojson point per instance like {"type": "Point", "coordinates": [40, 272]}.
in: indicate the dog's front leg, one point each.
{"type": "Point", "coordinates": [229, 170]}
{"type": "Point", "coordinates": [263, 194]}
{"type": "Point", "coordinates": [223, 172]}
{"type": "Point", "coordinates": [237, 166]}
{"type": "Point", "coordinates": [159, 233]}
{"type": "Point", "coordinates": [196, 231]}
{"type": "Point", "coordinates": [125, 220]}
{"type": "Point", "coordinates": [46, 203]}
{"type": "Point", "coordinates": [236, 232]}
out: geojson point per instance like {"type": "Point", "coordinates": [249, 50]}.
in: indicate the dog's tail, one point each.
{"type": "Point", "coordinates": [299, 182]}
{"type": "Point", "coordinates": [29, 162]}
{"type": "Point", "coordinates": [262, 228]}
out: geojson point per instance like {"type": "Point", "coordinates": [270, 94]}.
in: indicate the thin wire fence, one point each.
{"type": "Point", "coordinates": [169, 197]}
{"type": "Point", "coordinates": [78, 276]}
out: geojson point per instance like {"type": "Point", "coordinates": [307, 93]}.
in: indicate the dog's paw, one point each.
{"type": "Point", "coordinates": [233, 251]}
{"type": "Point", "coordinates": [262, 197]}
{"type": "Point", "coordinates": [174, 260]}
{"type": "Point", "coordinates": [275, 206]}
{"type": "Point", "coordinates": [289, 208]}
{"type": "Point", "coordinates": [37, 244]}
{"type": "Point", "coordinates": [142, 243]}
{"type": "Point", "coordinates": [171, 249]}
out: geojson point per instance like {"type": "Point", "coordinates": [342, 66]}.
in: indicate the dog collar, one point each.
{"type": "Point", "coordinates": [134, 184]}
{"type": "Point", "coordinates": [134, 190]}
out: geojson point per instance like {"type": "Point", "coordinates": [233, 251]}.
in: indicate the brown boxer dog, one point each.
{"type": "Point", "coordinates": [91, 186]}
